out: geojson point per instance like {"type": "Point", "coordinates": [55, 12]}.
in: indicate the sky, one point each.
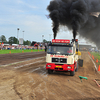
{"type": "Point", "coordinates": [29, 16]}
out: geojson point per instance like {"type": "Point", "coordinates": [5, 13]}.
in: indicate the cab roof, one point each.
{"type": "Point", "coordinates": [61, 44]}
{"type": "Point", "coordinates": [60, 41]}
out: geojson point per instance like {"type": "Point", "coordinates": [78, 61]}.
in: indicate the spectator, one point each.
{"type": "Point", "coordinates": [45, 48]}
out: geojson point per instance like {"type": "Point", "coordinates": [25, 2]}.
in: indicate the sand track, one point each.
{"type": "Point", "coordinates": [32, 82]}
{"type": "Point", "coordinates": [10, 58]}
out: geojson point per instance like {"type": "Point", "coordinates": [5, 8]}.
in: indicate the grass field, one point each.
{"type": "Point", "coordinates": [18, 51]}
{"type": "Point", "coordinates": [96, 56]}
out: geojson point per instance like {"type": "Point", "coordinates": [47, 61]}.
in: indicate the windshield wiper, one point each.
{"type": "Point", "coordinates": [62, 53]}
{"type": "Point", "coordinates": [68, 54]}
{"type": "Point", "coordinates": [51, 53]}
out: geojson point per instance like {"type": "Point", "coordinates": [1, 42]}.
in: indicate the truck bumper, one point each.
{"type": "Point", "coordinates": [60, 67]}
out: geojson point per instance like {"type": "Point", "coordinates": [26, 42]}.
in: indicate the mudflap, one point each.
{"type": "Point", "coordinates": [80, 62]}
{"type": "Point", "coordinates": [77, 67]}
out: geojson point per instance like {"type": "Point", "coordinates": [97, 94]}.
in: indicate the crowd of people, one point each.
{"type": "Point", "coordinates": [12, 47]}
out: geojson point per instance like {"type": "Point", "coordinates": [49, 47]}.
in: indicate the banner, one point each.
{"type": "Point", "coordinates": [20, 40]}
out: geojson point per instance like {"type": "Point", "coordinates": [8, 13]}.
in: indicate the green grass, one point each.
{"type": "Point", "coordinates": [96, 56]}
{"type": "Point", "coordinates": [18, 51]}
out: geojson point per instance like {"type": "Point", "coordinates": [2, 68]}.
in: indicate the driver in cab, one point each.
{"type": "Point", "coordinates": [69, 51]}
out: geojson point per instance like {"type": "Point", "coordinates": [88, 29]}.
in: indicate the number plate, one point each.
{"type": "Point", "coordinates": [58, 66]}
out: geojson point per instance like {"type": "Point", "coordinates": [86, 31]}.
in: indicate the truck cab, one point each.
{"type": "Point", "coordinates": [61, 56]}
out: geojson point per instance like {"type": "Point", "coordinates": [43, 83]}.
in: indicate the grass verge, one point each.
{"type": "Point", "coordinates": [18, 51]}
{"type": "Point", "coordinates": [96, 56]}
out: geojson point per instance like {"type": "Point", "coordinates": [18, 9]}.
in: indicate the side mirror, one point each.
{"type": "Point", "coordinates": [76, 50]}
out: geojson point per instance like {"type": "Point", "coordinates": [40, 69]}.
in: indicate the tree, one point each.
{"type": "Point", "coordinates": [13, 40]}
{"type": "Point", "coordinates": [33, 42]}
{"type": "Point", "coordinates": [3, 38]}
{"type": "Point", "coordinates": [45, 41]}
{"type": "Point", "coordinates": [27, 42]}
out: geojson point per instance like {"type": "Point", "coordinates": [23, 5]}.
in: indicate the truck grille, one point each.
{"type": "Point", "coordinates": [59, 60]}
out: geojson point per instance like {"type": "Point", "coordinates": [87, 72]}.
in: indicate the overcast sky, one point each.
{"type": "Point", "coordinates": [28, 16]}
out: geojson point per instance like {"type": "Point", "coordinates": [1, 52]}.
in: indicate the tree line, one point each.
{"type": "Point", "coordinates": [13, 40]}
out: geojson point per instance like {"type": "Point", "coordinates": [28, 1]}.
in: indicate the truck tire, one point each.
{"type": "Point", "coordinates": [50, 71]}
{"type": "Point", "coordinates": [80, 62]}
{"type": "Point", "coordinates": [72, 73]}
{"type": "Point", "coordinates": [76, 67]}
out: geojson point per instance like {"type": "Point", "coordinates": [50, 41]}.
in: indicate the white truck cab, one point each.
{"type": "Point", "coordinates": [62, 56]}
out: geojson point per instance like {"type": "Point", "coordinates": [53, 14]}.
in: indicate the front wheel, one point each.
{"type": "Point", "coordinates": [50, 71]}
{"type": "Point", "coordinates": [76, 67]}
{"type": "Point", "coordinates": [72, 73]}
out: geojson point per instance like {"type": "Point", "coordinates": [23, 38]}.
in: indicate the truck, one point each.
{"type": "Point", "coordinates": [63, 55]}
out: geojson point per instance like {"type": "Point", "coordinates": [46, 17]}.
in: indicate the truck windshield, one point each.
{"type": "Point", "coordinates": [63, 50]}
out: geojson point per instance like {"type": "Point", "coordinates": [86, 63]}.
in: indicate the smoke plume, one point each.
{"type": "Point", "coordinates": [77, 16]}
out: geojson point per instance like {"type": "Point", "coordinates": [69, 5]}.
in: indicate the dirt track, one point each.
{"type": "Point", "coordinates": [10, 58]}
{"type": "Point", "coordinates": [29, 81]}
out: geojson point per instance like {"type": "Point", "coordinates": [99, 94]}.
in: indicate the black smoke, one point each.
{"type": "Point", "coordinates": [75, 14]}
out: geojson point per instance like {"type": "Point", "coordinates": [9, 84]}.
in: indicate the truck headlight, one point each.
{"type": "Point", "coordinates": [48, 65]}
{"type": "Point", "coordinates": [69, 67]}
